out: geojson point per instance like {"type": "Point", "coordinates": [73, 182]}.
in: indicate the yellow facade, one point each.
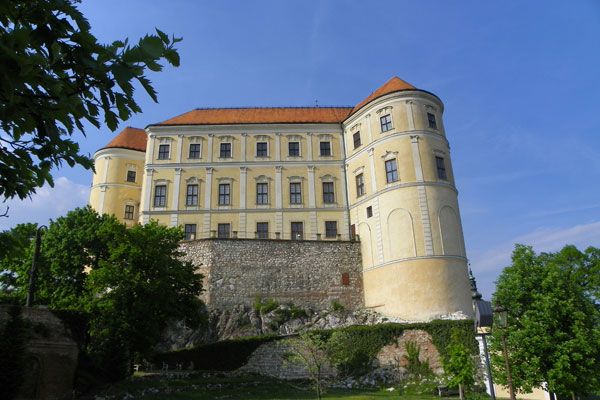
{"type": "Point", "coordinates": [382, 174]}
{"type": "Point", "coordinates": [403, 205]}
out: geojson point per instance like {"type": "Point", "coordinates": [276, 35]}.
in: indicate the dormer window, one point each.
{"type": "Point", "coordinates": [386, 123]}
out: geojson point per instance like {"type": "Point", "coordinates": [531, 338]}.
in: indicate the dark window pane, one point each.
{"type": "Point", "coordinates": [131, 175]}
{"type": "Point", "coordinates": [224, 194]}
{"type": "Point", "coordinates": [297, 230]}
{"type": "Point", "coordinates": [441, 168]}
{"type": "Point", "coordinates": [262, 230]}
{"type": "Point", "coordinates": [295, 193]}
{"type": "Point", "coordinates": [190, 231]}
{"type": "Point", "coordinates": [360, 185]}
{"type": "Point", "coordinates": [223, 231]}
{"type": "Point", "coordinates": [294, 149]}
{"type": "Point", "coordinates": [328, 194]}
{"type": "Point", "coordinates": [129, 212]}
{"type": "Point", "coordinates": [191, 198]}
{"type": "Point", "coordinates": [262, 193]}
{"type": "Point", "coordinates": [391, 171]}
{"type": "Point", "coordinates": [225, 150]}
{"type": "Point", "coordinates": [325, 148]}
{"type": "Point", "coordinates": [163, 152]}
{"type": "Point", "coordinates": [369, 212]}
{"type": "Point", "coordinates": [330, 229]}
{"type": "Point", "coordinates": [432, 121]}
{"type": "Point", "coordinates": [386, 123]}
{"type": "Point", "coordinates": [160, 195]}
{"type": "Point", "coordinates": [194, 150]}
{"type": "Point", "coordinates": [261, 149]}
{"type": "Point", "coordinates": [356, 138]}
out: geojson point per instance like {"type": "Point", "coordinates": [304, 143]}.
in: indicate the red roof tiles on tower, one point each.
{"type": "Point", "coordinates": [393, 85]}
{"type": "Point", "coordinates": [129, 138]}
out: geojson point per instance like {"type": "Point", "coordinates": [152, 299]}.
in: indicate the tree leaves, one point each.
{"type": "Point", "coordinates": [553, 331]}
{"type": "Point", "coordinates": [53, 75]}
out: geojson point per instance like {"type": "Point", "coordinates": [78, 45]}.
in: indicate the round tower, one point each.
{"type": "Point", "coordinates": [403, 205]}
{"type": "Point", "coordinates": [117, 182]}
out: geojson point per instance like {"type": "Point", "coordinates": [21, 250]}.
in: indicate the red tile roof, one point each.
{"type": "Point", "coordinates": [393, 85]}
{"type": "Point", "coordinates": [270, 115]}
{"type": "Point", "coordinates": [129, 138]}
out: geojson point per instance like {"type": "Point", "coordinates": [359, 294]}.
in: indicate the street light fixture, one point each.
{"type": "Point", "coordinates": [502, 322]}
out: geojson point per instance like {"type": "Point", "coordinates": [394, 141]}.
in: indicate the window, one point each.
{"type": "Point", "coordinates": [261, 149]}
{"type": "Point", "coordinates": [297, 230]}
{"type": "Point", "coordinates": [391, 171]}
{"type": "Point", "coordinates": [194, 150]}
{"type": "Point", "coordinates": [190, 231]}
{"type": "Point", "coordinates": [131, 176]}
{"type": "Point", "coordinates": [356, 139]}
{"type": "Point", "coordinates": [360, 185]}
{"type": "Point", "coordinates": [345, 279]}
{"type": "Point", "coordinates": [262, 230]}
{"type": "Point", "coordinates": [295, 193]}
{"type": "Point", "coordinates": [163, 152]}
{"type": "Point", "coordinates": [441, 168]}
{"type": "Point", "coordinates": [160, 195]}
{"type": "Point", "coordinates": [369, 212]}
{"type": "Point", "coordinates": [191, 198]}
{"type": "Point", "coordinates": [129, 212]}
{"type": "Point", "coordinates": [328, 194]}
{"type": "Point", "coordinates": [294, 149]}
{"type": "Point", "coordinates": [431, 120]}
{"type": "Point", "coordinates": [225, 150]}
{"type": "Point", "coordinates": [224, 194]}
{"type": "Point", "coordinates": [262, 193]}
{"type": "Point", "coordinates": [223, 231]}
{"type": "Point", "coordinates": [325, 148]}
{"type": "Point", "coordinates": [386, 123]}
{"type": "Point", "coordinates": [330, 229]}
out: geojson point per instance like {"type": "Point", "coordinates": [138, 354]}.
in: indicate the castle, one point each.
{"type": "Point", "coordinates": [378, 173]}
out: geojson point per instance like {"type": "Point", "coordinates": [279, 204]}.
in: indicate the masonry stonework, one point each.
{"type": "Point", "coordinates": [309, 274]}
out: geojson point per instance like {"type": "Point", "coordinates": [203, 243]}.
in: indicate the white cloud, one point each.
{"type": "Point", "coordinates": [489, 263]}
{"type": "Point", "coordinates": [48, 202]}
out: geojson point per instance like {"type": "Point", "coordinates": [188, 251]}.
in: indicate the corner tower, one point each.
{"type": "Point", "coordinates": [403, 205]}
{"type": "Point", "coordinates": [117, 182]}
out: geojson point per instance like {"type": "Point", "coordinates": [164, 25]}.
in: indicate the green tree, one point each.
{"type": "Point", "coordinates": [54, 77]}
{"type": "Point", "coordinates": [553, 327]}
{"type": "Point", "coordinates": [311, 350]}
{"type": "Point", "coordinates": [15, 256]}
{"type": "Point", "coordinates": [458, 364]}
{"type": "Point", "coordinates": [139, 288]}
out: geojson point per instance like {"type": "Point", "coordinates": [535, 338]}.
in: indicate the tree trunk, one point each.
{"type": "Point", "coordinates": [573, 396]}
{"type": "Point", "coordinates": [461, 391]}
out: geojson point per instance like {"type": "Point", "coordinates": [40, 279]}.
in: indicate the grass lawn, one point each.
{"type": "Point", "coordinates": [215, 386]}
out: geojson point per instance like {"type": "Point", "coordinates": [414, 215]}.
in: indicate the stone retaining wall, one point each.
{"type": "Point", "coordinates": [310, 274]}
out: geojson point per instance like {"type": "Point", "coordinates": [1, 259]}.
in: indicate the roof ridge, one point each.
{"type": "Point", "coordinates": [266, 107]}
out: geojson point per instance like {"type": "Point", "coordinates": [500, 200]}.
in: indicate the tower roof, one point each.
{"type": "Point", "coordinates": [393, 85]}
{"type": "Point", "coordinates": [129, 138]}
{"type": "Point", "coordinates": [260, 115]}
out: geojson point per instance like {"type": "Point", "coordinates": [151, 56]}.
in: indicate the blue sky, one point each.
{"type": "Point", "coordinates": [519, 80]}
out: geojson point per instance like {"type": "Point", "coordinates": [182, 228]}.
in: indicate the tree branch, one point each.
{"type": "Point", "coordinates": [5, 214]}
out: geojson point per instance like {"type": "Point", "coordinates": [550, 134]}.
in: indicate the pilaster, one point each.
{"type": "Point", "coordinates": [309, 146]}
{"type": "Point", "coordinates": [179, 149]}
{"type": "Point", "coordinates": [207, 199]}
{"type": "Point", "coordinates": [371, 153]}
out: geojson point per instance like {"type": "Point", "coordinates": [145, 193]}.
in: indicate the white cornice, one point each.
{"type": "Point", "coordinates": [118, 152]}
{"type": "Point", "coordinates": [175, 130]}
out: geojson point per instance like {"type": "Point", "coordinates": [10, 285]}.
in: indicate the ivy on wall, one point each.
{"type": "Point", "coordinates": [352, 348]}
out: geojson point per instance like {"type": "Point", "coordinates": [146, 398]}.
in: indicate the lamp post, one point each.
{"type": "Point", "coordinates": [502, 320]}
{"type": "Point", "coordinates": [33, 271]}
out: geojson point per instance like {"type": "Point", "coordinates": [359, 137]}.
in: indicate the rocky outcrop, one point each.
{"type": "Point", "coordinates": [242, 321]}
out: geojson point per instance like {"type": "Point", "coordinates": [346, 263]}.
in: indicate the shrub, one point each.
{"type": "Point", "coordinates": [337, 306]}
{"type": "Point", "coordinates": [265, 306]}
{"type": "Point", "coordinates": [227, 355]}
